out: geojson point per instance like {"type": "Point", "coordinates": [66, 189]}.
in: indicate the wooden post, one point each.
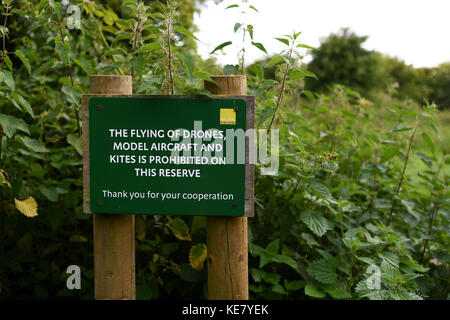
{"type": "Point", "coordinates": [227, 237]}
{"type": "Point", "coordinates": [114, 235]}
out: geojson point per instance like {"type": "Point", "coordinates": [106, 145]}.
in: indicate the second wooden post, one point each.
{"type": "Point", "coordinates": [227, 237]}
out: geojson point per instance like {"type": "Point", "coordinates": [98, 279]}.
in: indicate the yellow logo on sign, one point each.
{"type": "Point", "coordinates": [227, 116]}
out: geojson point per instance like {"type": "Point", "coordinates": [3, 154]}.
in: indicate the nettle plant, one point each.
{"type": "Point", "coordinates": [242, 30]}
{"type": "Point", "coordinates": [351, 222]}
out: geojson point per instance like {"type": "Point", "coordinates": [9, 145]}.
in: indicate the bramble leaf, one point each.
{"type": "Point", "coordinates": [197, 256]}
{"type": "Point", "coordinates": [27, 206]}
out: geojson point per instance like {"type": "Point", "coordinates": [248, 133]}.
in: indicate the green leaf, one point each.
{"type": "Point", "coordinates": [310, 240]}
{"type": "Point", "coordinates": [83, 64]}
{"type": "Point", "coordinates": [237, 26]}
{"type": "Point", "coordinates": [352, 93]}
{"type": "Point", "coordinates": [294, 285]}
{"type": "Point", "coordinates": [320, 189]}
{"type": "Point", "coordinates": [116, 51]}
{"type": "Point", "coordinates": [388, 153]}
{"type": "Point", "coordinates": [403, 294]}
{"type": "Point", "coordinates": [322, 109]}
{"type": "Point", "coordinates": [62, 49]}
{"type": "Point", "coordinates": [230, 69]}
{"type": "Point", "coordinates": [309, 95]}
{"type": "Point", "coordinates": [252, 7]}
{"type": "Point", "coordinates": [273, 246]}
{"type": "Point", "coordinates": [338, 291]}
{"type": "Point", "coordinates": [296, 34]}
{"type": "Point", "coordinates": [221, 46]}
{"type": "Point", "coordinates": [24, 60]}
{"type": "Point", "coordinates": [138, 64]}
{"type": "Point", "coordinates": [389, 271]}
{"type": "Point", "coordinates": [198, 224]}
{"type": "Point", "coordinates": [275, 60]}
{"type": "Point", "coordinates": [51, 115]}
{"type": "Point", "coordinates": [278, 288]}
{"type": "Point", "coordinates": [434, 127]}
{"type": "Point", "coordinates": [250, 31]}
{"type": "Point", "coordinates": [266, 114]}
{"type": "Point", "coordinates": [300, 74]}
{"type": "Point", "coordinates": [8, 63]}
{"type": "Point", "coordinates": [301, 45]}
{"type": "Point", "coordinates": [256, 274]}
{"type": "Point", "coordinates": [285, 41]}
{"type": "Point", "coordinates": [429, 142]}
{"type": "Point", "coordinates": [204, 76]}
{"type": "Point", "coordinates": [11, 124]}
{"type": "Point", "coordinates": [188, 63]}
{"type": "Point", "coordinates": [76, 142]}
{"type": "Point", "coordinates": [312, 291]}
{"type": "Point", "coordinates": [323, 271]}
{"type": "Point", "coordinates": [33, 144]}
{"type": "Point", "coordinates": [400, 128]}
{"type": "Point", "coordinates": [260, 46]}
{"type": "Point", "coordinates": [425, 159]}
{"type": "Point", "coordinates": [232, 6]}
{"type": "Point", "coordinates": [42, 5]}
{"type": "Point", "coordinates": [129, 2]}
{"type": "Point", "coordinates": [50, 193]}
{"type": "Point", "coordinates": [23, 102]}
{"type": "Point", "coordinates": [270, 278]}
{"type": "Point", "coordinates": [149, 47]}
{"type": "Point", "coordinates": [286, 260]}
{"type": "Point", "coordinates": [315, 222]}
{"type": "Point", "coordinates": [179, 229]}
{"type": "Point", "coordinates": [185, 32]}
{"type": "Point", "coordinates": [7, 77]}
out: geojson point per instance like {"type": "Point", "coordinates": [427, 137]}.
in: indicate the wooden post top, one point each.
{"type": "Point", "coordinates": [227, 85]}
{"type": "Point", "coordinates": [102, 84]}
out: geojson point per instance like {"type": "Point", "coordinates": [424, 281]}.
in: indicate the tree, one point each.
{"type": "Point", "coordinates": [440, 85]}
{"type": "Point", "coordinates": [341, 59]}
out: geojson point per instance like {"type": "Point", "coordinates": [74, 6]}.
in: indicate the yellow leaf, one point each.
{"type": "Point", "coordinates": [179, 229]}
{"type": "Point", "coordinates": [4, 178]}
{"type": "Point", "coordinates": [28, 206]}
{"type": "Point", "coordinates": [197, 256]}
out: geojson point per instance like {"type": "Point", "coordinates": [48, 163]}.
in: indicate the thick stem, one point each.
{"type": "Point", "coordinates": [243, 52]}
{"type": "Point", "coordinates": [4, 37]}
{"type": "Point", "coordinates": [137, 35]}
{"type": "Point", "coordinates": [2, 228]}
{"type": "Point", "coordinates": [430, 228]}
{"type": "Point", "coordinates": [169, 25]}
{"type": "Point", "coordinates": [280, 94]}
{"type": "Point", "coordinates": [394, 203]}
{"type": "Point", "coordinates": [69, 68]}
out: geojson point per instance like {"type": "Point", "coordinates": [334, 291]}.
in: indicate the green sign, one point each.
{"type": "Point", "coordinates": [167, 156]}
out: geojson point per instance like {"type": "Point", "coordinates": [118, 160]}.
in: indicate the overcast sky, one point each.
{"type": "Point", "coordinates": [415, 31]}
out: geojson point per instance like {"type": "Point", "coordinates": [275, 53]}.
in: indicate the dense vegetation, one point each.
{"type": "Point", "coordinates": [363, 177]}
